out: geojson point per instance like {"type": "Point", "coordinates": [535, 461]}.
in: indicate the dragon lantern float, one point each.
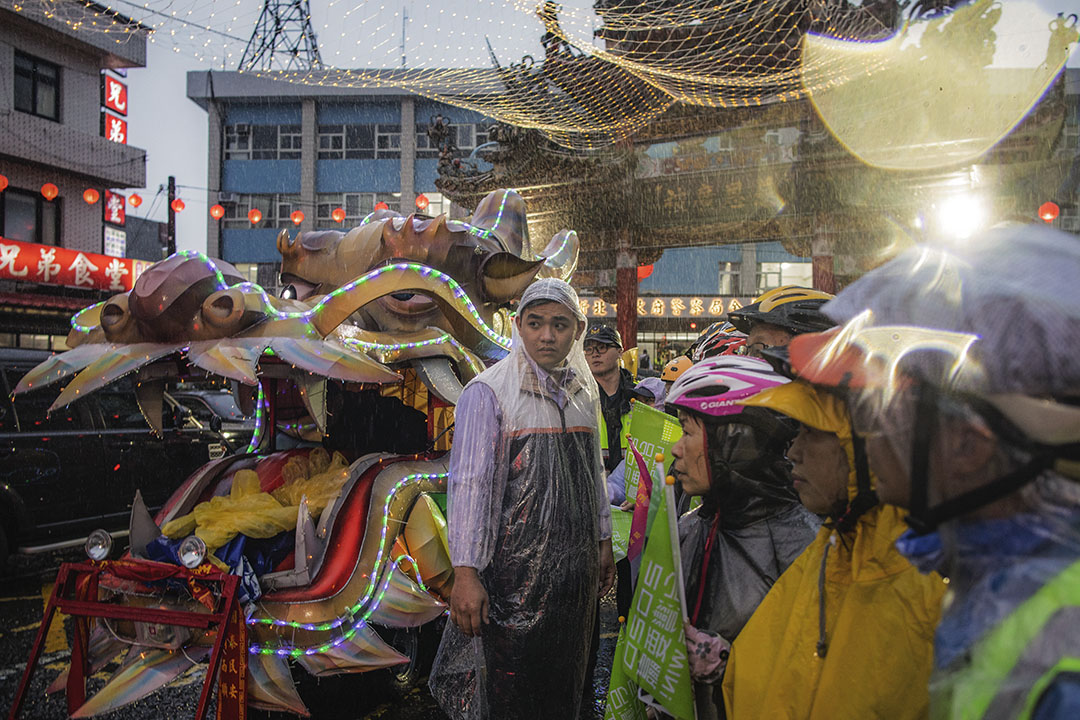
{"type": "Point", "coordinates": [360, 541]}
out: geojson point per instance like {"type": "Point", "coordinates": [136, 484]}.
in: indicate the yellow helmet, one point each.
{"type": "Point", "coordinates": [796, 309]}
{"type": "Point", "coordinates": [675, 368]}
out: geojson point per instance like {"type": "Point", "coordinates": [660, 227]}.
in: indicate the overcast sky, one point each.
{"type": "Point", "coordinates": [440, 33]}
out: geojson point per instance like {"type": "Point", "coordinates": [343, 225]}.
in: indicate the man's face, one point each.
{"type": "Point", "coordinates": [602, 358]}
{"type": "Point", "coordinates": [819, 471]}
{"type": "Point", "coordinates": [548, 331]}
{"type": "Point", "coordinates": [763, 335]}
{"type": "Point", "coordinates": [691, 466]}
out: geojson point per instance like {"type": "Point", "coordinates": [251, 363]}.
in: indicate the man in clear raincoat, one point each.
{"type": "Point", "coordinates": [529, 523]}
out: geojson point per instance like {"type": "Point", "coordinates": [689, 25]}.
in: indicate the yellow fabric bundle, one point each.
{"type": "Point", "coordinates": [319, 477]}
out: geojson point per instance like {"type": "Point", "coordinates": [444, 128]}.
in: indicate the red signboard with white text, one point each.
{"type": "Point", "coordinates": [114, 128]}
{"type": "Point", "coordinates": [114, 94]}
{"type": "Point", "coordinates": [114, 208]}
{"type": "Point", "coordinates": [71, 268]}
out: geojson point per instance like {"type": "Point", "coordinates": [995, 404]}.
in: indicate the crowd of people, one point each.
{"type": "Point", "coordinates": [889, 515]}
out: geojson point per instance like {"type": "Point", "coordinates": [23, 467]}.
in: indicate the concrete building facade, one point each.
{"type": "Point", "coordinates": [280, 148]}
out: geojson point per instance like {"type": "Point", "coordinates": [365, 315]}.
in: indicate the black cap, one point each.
{"type": "Point", "coordinates": [604, 334]}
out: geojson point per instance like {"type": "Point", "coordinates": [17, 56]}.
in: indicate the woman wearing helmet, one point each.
{"type": "Point", "coordinates": [847, 630]}
{"type": "Point", "coordinates": [750, 525]}
{"type": "Point", "coordinates": [961, 368]}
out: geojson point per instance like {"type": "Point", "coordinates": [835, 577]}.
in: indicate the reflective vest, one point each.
{"type": "Point", "coordinates": [1017, 661]}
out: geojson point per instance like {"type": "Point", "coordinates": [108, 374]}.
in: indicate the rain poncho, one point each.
{"type": "Point", "coordinates": [528, 509]}
{"type": "Point", "coordinates": [872, 612]}
{"type": "Point", "coordinates": [986, 331]}
{"type": "Point", "coordinates": [758, 525]}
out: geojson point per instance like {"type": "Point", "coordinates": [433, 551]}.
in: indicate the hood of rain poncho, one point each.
{"type": "Point", "coordinates": [750, 477]}
{"type": "Point", "coordinates": [528, 482]}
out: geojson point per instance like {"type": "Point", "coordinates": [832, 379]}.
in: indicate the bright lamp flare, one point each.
{"type": "Point", "coordinates": [98, 545]}
{"type": "Point", "coordinates": [961, 216]}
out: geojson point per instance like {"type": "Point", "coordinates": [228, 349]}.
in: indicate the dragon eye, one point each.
{"type": "Point", "coordinates": [288, 292]}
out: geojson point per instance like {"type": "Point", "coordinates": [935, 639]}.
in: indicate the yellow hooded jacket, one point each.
{"type": "Point", "coordinates": [877, 616]}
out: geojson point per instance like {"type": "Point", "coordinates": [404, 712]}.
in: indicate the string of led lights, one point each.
{"type": "Point", "coordinates": [351, 613]}
{"type": "Point", "coordinates": [256, 437]}
{"type": "Point", "coordinates": [592, 73]}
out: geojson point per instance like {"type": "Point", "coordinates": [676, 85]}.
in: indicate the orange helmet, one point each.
{"type": "Point", "coordinates": [675, 368]}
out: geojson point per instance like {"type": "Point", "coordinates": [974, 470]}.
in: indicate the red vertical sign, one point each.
{"type": "Point", "coordinates": [114, 128]}
{"type": "Point", "coordinates": [114, 95]}
{"type": "Point", "coordinates": [114, 208]}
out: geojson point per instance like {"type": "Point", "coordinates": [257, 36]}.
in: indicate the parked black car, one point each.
{"type": "Point", "coordinates": [65, 474]}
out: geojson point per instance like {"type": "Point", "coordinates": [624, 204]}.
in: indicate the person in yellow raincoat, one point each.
{"type": "Point", "coordinates": [847, 631]}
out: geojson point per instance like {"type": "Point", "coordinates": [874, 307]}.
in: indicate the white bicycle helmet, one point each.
{"type": "Point", "coordinates": [712, 387]}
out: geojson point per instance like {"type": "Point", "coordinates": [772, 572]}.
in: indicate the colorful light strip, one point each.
{"type": "Point", "coordinates": [445, 338]}
{"type": "Point", "coordinates": [416, 569]}
{"type": "Point", "coordinates": [74, 318]}
{"type": "Point", "coordinates": [256, 438]}
{"type": "Point", "coordinates": [292, 651]}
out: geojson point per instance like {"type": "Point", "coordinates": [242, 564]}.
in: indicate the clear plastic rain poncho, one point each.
{"type": "Point", "coordinates": [527, 509]}
{"type": "Point", "coordinates": [961, 365]}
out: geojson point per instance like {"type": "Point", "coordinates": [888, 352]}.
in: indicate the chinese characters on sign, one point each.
{"type": "Point", "coordinates": [114, 211]}
{"type": "Point", "coordinates": [113, 128]}
{"type": "Point", "coordinates": [60, 266]}
{"type": "Point", "coordinates": [113, 94]}
{"type": "Point", "coordinates": [115, 242]}
{"type": "Point", "coordinates": [667, 307]}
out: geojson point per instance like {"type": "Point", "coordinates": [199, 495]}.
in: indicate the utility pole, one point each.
{"type": "Point", "coordinates": [171, 229]}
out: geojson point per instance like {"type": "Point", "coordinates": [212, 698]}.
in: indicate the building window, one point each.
{"type": "Point", "coordinates": [465, 137]}
{"type": "Point", "coordinates": [768, 276]}
{"type": "Point", "coordinates": [275, 210]}
{"type": "Point", "coordinates": [352, 142]}
{"type": "Point", "coordinates": [729, 278]}
{"type": "Point", "coordinates": [29, 217]}
{"type": "Point", "coordinates": [262, 142]}
{"type": "Point", "coordinates": [388, 141]}
{"type": "Point", "coordinates": [357, 206]}
{"type": "Point", "coordinates": [37, 86]}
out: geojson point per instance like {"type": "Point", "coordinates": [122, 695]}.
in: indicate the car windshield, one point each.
{"type": "Point", "coordinates": [224, 405]}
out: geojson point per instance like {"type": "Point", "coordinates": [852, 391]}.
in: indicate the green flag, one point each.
{"type": "Point", "coordinates": [653, 432]}
{"type": "Point", "coordinates": [622, 698]}
{"type": "Point", "coordinates": [651, 651]}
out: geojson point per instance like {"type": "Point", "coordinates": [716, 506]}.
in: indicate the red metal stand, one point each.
{"type": "Point", "coordinates": [75, 593]}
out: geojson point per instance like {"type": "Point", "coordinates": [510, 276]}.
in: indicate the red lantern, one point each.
{"type": "Point", "coordinates": [50, 191]}
{"type": "Point", "coordinates": [422, 201]}
{"type": "Point", "coordinates": [643, 272]}
{"type": "Point", "coordinates": [177, 205]}
{"type": "Point", "coordinates": [1048, 211]}
{"type": "Point", "coordinates": [297, 217]}
{"type": "Point", "coordinates": [3, 183]}
{"type": "Point", "coordinates": [135, 199]}
{"type": "Point", "coordinates": [255, 216]}
{"type": "Point", "coordinates": [217, 212]}
{"type": "Point", "coordinates": [338, 215]}
{"type": "Point", "coordinates": [381, 206]}
{"type": "Point", "coordinates": [91, 196]}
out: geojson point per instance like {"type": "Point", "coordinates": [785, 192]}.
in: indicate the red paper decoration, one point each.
{"type": "Point", "coordinates": [217, 212]}
{"type": "Point", "coordinates": [135, 199]}
{"type": "Point", "coordinates": [91, 196]}
{"type": "Point", "coordinates": [297, 217]}
{"type": "Point", "coordinates": [422, 201]}
{"type": "Point", "coordinates": [1049, 211]}
{"type": "Point", "coordinates": [177, 205]}
{"type": "Point", "coordinates": [338, 215]}
{"type": "Point", "coordinates": [3, 183]}
{"type": "Point", "coordinates": [381, 206]}
{"type": "Point", "coordinates": [255, 216]}
{"type": "Point", "coordinates": [50, 191]}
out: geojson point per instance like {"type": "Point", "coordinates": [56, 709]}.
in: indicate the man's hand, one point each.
{"type": "Point", "coordinates": [469, 601]}
{"type": "Point", "coordinates": [607, 567]}
{"type": "Point", "coordinates": [627, 506]}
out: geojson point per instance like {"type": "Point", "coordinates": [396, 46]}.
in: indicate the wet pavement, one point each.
{"type": "Point", "coordinates": [26, 585]}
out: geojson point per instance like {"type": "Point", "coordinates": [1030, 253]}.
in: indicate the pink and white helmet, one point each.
{"type": "Point", "coordinates": [712, 386]}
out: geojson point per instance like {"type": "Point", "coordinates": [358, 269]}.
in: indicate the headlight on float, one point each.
{"type": "Point", "coordinates": [192, 552]}
{"type": "Point", "coordinates": [98, 545]}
